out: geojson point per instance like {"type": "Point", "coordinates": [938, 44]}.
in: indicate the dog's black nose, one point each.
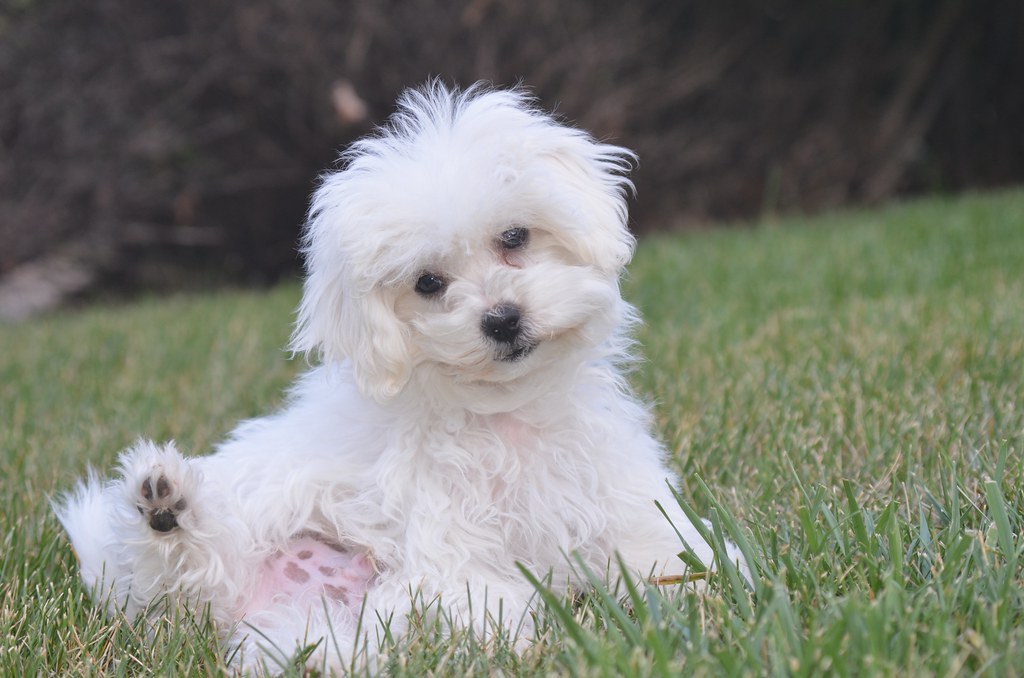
{"type": "Point", "coordinates": [501, 323]}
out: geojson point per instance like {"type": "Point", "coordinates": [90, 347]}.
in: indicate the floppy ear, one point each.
{"type": "Point", "coordinates": [342, 316]}
{"type": "Point", "coordinates": [361, 328]}
{"type": "Point", "coordinates": [594, 176]}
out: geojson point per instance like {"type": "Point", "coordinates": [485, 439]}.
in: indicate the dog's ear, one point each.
{"type": "Point", "coordinates": [361, 327]}
{"type": "Point", "coordinates": [594, 175]}
{"type": "Point", "coordinates": [341, 316]}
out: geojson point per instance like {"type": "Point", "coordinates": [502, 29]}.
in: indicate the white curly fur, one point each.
{"type": "Point", "coordinates": [423, 443]}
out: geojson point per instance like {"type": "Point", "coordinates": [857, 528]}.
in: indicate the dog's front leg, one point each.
{"type": "Point", "coordinates": [181, 538]}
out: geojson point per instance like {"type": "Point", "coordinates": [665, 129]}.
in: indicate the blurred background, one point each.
{"type": "Point", "coordinates": [170, 145]}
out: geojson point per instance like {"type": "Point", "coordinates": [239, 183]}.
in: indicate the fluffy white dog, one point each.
{"type": "Point", "coordinates": [469, 414]}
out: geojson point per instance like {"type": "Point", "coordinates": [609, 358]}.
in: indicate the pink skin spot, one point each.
{"type": "Point", "coordinates": [336, 593]}
{"type": "Point", "coordinates": [309, 571]}
{"type": "Point", "coordinates": [296, 573]}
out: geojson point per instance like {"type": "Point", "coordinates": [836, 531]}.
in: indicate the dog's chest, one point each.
{"type": "Point", "coordinates": [498, 488]}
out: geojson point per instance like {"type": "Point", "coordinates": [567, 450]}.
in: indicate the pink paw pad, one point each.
{"type": "Point", "coordinates": [310, 568]}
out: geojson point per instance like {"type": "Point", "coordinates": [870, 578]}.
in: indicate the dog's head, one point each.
{"type": "Point", "coordinates": [474, 239]}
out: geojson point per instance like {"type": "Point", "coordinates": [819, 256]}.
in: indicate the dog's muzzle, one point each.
{"type": "Point", "coordinates": [503, 325]}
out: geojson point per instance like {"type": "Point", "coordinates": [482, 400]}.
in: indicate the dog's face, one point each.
{"type": "Point", "coordinates": [502, 301]}
{"type": "Point", "coordinates": [476, 241]}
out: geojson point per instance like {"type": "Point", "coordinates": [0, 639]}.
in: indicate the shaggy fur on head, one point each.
{"type": "Point", "coordinates": [469, 412]}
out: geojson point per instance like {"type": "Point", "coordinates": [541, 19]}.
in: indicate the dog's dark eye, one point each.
{"type": "Point", "coordinates": [514, 238]}
{"type": "Point", "coordinates": [429, 284]}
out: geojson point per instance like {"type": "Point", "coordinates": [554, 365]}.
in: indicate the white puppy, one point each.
{"type": "Point", "coordinates": [469, 413]}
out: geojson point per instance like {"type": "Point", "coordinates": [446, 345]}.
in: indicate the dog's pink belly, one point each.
{"type": "Point", "coordinates": [308, 571]}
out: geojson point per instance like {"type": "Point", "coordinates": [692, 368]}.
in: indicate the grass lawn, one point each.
{"type": "Point", "coordinates": [845, 394]}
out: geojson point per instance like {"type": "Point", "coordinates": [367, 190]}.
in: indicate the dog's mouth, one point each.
{"type": "Point", "coordinates": [515, 354]}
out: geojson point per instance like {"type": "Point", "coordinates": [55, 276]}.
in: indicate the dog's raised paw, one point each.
{"type": "Point", "coordinates": [161, 502]}
{"type": "Point", "coordinates": [156, 481]}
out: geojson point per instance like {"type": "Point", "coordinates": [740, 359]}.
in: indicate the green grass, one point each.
{"type": "Point", "coordinates": [845, 394]}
